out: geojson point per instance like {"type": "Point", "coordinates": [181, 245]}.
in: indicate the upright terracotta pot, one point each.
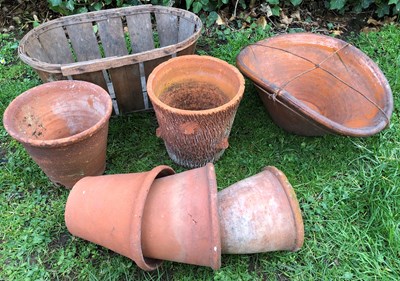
{"type": "Point", "coordinates": [63, 126]}
{"type": "Point", "coordinates": [195, 99]}
{"type": "Point", "coordinates": [260, 214]}
{"type": "Point", "coordinates": [150, 216]}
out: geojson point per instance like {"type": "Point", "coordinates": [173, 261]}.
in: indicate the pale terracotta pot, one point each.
{"type": "Point", "coordinates": [63, 126]}
{"type": "Point", "coordinates": [150, 216]}
{"type": "Point", "coordinates": [195, 99]}
{"type": "Point", "coordinates": [260, 214]}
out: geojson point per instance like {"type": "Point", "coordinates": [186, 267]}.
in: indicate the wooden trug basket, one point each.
{"type": "Point", "coordinates": [116, 49]}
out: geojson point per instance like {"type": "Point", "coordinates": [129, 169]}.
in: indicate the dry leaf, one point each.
{"type": "Point", "coordinates": [262, 22]}
{"type": "Point", "coordinates": [367, 29]}
{"type": "Point", "coordinates": [296, 15]}
{"type": "Point", "coordinates": [374, 22]}
{"type": "Point", "coordinates": [337, 32]}
{"type": "Point", "coordinates": [220, 21]}
{"type": "Point", "coordinates": [266, 9]}
{"type": "Point", "coordinates": [285, 19]}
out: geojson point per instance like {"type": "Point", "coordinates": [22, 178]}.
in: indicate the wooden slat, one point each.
{"type": "Point", "coordinates": [167, 27]}
{"type": "Point", "coordinates": [141, 32]}
{"type": "Point", "coordinates": [49, 77]}
{"type": "Point", "coordinates": [186, 29]}
{"type": "Point", "coordinates": [112, 37]}
{"type": "Point", "coordinates": [35, 50]}
{"type": "Point", "coordinates": [93, 77]}
{"type": "Point", "coordinates": [188, 51]}
{"type": "Point", "coordinates": [84, 41]}
{"type": "Point", "coordinates": [56, 46]}
{"type": "Point", "coordinates": [128, 88]}
{"type": "Point", "coordinates": [126, 79]}
{"type": "Point", "coordinates": [150, 65]}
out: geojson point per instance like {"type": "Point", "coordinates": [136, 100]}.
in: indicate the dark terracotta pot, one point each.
{"type": "Point", "coordinates": [63, 126]}
{"type": "Point", "coordinates": [195, 99]}
{"type": "Point", "coordinates": [150, 216]}
{"type": "Point", "coordinates": [314, 85]}
{"type": "Point", "coordinates": [260, 214]}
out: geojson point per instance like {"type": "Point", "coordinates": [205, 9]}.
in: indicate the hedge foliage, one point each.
{"type": "Point", "coordinates": [381, 7]}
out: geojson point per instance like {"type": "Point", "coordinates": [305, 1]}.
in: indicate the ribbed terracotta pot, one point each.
{"type": "Point", "coordinates": [260, 214]}
{"type": "Point", "coordinates": [63, 125]}
{"type": "Point", "coordinates": [150, 216]}
{"type": "Point", "coordinates": [195, 99]}
{"type": "Point", "coordinates": [314, 84]}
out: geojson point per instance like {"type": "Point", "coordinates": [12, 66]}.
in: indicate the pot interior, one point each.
{"type": "Point", "coordinates": [192, 95]}
{"type": "Point", "coordinates": [56, 110]}
{"type": "Point", "coordinates": [196, 83]}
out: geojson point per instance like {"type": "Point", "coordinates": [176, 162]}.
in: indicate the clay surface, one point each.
{"type": "Point", "coordinates": [63, 125]}
{"type": "Point", "coordinates": [314, 84]}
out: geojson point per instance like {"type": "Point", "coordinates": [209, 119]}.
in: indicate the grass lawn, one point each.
{"type": "Point", "coordinates": [348, 188]}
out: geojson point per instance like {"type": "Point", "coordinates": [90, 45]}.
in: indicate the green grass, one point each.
{"type": "Point", "coordinates": [348, 189]}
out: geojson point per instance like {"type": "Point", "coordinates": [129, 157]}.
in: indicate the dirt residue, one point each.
{"type": "Point", "coordinates": [193, 96]}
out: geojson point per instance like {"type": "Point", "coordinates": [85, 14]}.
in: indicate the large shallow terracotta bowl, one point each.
{"type": "Point", "coordinates": [314, 85]}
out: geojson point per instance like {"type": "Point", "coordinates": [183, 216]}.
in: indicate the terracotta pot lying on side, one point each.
{"type": "Point", "coordinates": [260, 214]}
{"type": "Point", "coordinates": [63, 125]}
{"type": "Point", "coordinates": [195, 99]}
{"type": "Point", "coordinates": [158, 215]}
{"type": "Point", "coordinates": [150, 216]}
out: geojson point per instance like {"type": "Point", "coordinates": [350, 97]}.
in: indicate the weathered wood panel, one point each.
{"type": "Point", "coordinates": [126, 79]}
{"type": "Point", "coordinates": [84, 41]}
{"type": "Point", "coordinates": [35, 50]}
{"type": "Point", "coordinates": [93, 77]}
{"type": "Point", "coordinates": [112, 37]}
{"type": "Point", "coordinates": [186, 29]}
{"type": "Point", "coordinates": [141, 32]}
{"type": "Point", "coordinates": [167, 27]}
{"type": "Point", "coordinates": [56, 46]}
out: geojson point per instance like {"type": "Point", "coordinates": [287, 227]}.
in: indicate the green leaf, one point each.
{"type": "Point", "coordinates": [204, 2]}
{"type": "Point", "coordinates": [225, 1]}
{"type": "Point", "coordinates": [108, 2]}
{"type": "Point", "coordinates": [273, 2]}
{"type": "Point", "coordinates": [70, 5]}
{"type": "Point", "coordinates": [54, 2]}
{"type": "Point", "coordinates": [296, 2]}
{"type": "Point", "coordinates": [337, 4]}
{"type": "Point", "coordinates": [82, 10]}
{"type": "Point", "coordinates": [276, 11]}
{"type": "Point", "coordinates": [366, 3]}
{"type": "Point", "coordinates": [188, 4]}
{"type": "Point", "coordinates": [393, 2]}
{"type": "Point", "coordinates": [197, 7]}
{"type": "Point", "coordinates": [382, 10]}
{"type": "Point", "coordinates": [97, 6]}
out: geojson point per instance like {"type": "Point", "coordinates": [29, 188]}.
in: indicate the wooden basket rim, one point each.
{"type": "Point", "coordinates": [108, 62]}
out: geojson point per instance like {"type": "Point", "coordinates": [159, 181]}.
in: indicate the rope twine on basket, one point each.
{"type": "Point", "coordinates": [316, 66]}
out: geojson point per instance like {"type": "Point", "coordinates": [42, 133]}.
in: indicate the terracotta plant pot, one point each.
{"type": "Point", "coordinates": [150, 216]}
{"type": "Point", "coordinates": [195, 99]}
{"type": "Point", "coordinates": [63, 125]}
{"type": "Point", "coordinates": [260, 214]}
{"type": "Point", "coordinates": [314, 85]}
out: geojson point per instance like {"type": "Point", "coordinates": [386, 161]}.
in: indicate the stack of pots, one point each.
{"type": "Point", "coordinates": [159, 215]}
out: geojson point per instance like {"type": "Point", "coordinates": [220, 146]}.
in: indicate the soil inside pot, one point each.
{"type": "Point", "coordinates": [194, 96]}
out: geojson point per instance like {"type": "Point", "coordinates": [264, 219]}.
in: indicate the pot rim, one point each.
{"type": "Point", "coordinates": [37, 91]}
{"type": "Point", "coordinates": [136, 229]}
{"type": "Point", "coordinates": [295, 104]}
{"type": "Point", "coordinates": [294, 205]}
{"type": "Point", "coordinates": [193, 59]}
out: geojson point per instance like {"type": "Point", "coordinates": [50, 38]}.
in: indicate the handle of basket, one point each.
{"type": "Point", "coordinates": [88, 66]}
